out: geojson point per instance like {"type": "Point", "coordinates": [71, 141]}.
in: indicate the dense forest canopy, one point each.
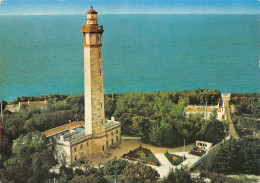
{"type": "Point", "coordinates": [246, 104]}
{"type": "Point", "coordinates": [235, 156]}
{"type": "Point", "coordinates": [246, 113]}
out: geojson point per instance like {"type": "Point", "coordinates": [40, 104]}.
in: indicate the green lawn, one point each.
{"type": "Point", "coordinates": [174, 159]}
{"type": "Point", "coordinates": [143, 155]}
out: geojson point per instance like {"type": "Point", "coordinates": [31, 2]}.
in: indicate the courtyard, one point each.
{"type": "Point", "coordinates": [165, 165]}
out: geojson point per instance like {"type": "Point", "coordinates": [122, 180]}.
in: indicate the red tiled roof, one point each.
{"type": "Point", "coordinates": [200, 109]}
{"type": "Point", "coordinates": [35, 103]}
{"type": "Point", "coordinates": [63, 128]}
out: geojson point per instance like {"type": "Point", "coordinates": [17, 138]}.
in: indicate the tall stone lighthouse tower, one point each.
{"type": "Point", "coordinates": [93, 78]}
{"type": "Point", "coordinates": [99, 134]}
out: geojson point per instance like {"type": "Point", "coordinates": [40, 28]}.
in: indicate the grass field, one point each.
{"type": "Point", "coordinates": [174, 159]}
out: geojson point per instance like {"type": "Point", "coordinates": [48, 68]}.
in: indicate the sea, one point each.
{"type": "Point", "coordinates": [43, 54]}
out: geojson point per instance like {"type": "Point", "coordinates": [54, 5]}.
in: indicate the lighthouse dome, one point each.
{"type": "Point", "coordinates": [91, 11]}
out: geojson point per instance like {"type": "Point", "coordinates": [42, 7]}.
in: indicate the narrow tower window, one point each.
{"type": "Point", "coordinates": [100, 72]}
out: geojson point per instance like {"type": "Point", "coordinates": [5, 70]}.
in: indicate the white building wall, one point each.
{"type": "Point", "coordinates": [204, 145]}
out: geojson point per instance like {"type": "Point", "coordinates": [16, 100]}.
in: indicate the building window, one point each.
{"type": "Point", "coordinates": [103, 148]}
{"type": "Point", "coordinates": [100, 72]}
{"type": "Point", "coordinates": [75, 158]}
{"type": "Point", "coordinates": [75, 149]}
{"type": "Point", "coordinates": [117, 131]}
{"type": "Point", "coordinates": [81, 146]}
{"type": "Point", "coordinates": [111, 133]}
{"type": "Point", "coordinates": [81, 155]}
{"type": "Point", "coordinates": [98, 38]}
{"type": "Point", "coordinates": [112, 141]}
{"type": "Point", "coordinates": [107, 142]}
{"type": "Point", "coordinates": [87, 144]}
{"type": "Point", "coordinates": [117, 138]}
{"type": "Point", "coordinates": [99, 55]}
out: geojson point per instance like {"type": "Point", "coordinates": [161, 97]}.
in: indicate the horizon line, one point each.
{"type": "Point", "coordinates": [35, 14]}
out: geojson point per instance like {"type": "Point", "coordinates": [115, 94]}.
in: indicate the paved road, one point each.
{"type": "Point", "coordinates": [232, 131]}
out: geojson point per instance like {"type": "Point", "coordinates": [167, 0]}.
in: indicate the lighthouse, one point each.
{"type": "Point", "coordinates": [93, 76]}
{"type": "Point", "coordinates": [79, 139]}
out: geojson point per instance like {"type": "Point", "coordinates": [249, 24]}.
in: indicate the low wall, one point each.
{"type": "Point", "coordinates": [130, 138]}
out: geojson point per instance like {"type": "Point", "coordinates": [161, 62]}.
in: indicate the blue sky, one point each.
{"type": "Point", "coordinates": [130, 6]}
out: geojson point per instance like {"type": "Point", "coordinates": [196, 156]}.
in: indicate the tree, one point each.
{"type": "Point", "coordinates": [115, 167]}
{"type": "Point", "coordinates": [218, 178]}
{"type": "Point", "coordinates": [41, 163]}
{"type": "Point", "coordinates": [212, 131]}
{"type": "Point", "coordinates": [235, 156]}
{"type": "Point", "coordinates": [34, 140]}
{"type": "Point", "coordinates": [126, 123]}
{"type": "Point", "coordinates": [98, 158]}
{"type": "Point", "coordinates": [137, 172]}
{"type": "Point", "coordinates": [32, 160]}
{"type": "Point", "coordinates": [141, 126]}
{"type": "Point", "coordinates": [178, 176]}
{"type": "Point", "coordinates": [93, 178]}
{"type": "Point", "coordinates": [15, 170]}
{"type": "Point", "coordinates": [4, 103]}
{"type": "Point", "coordinates": [165, 135]}
{"type": "Point", "coordinates": [66, 174]}
{"type": "Point", "coordinates": [109, 106]}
